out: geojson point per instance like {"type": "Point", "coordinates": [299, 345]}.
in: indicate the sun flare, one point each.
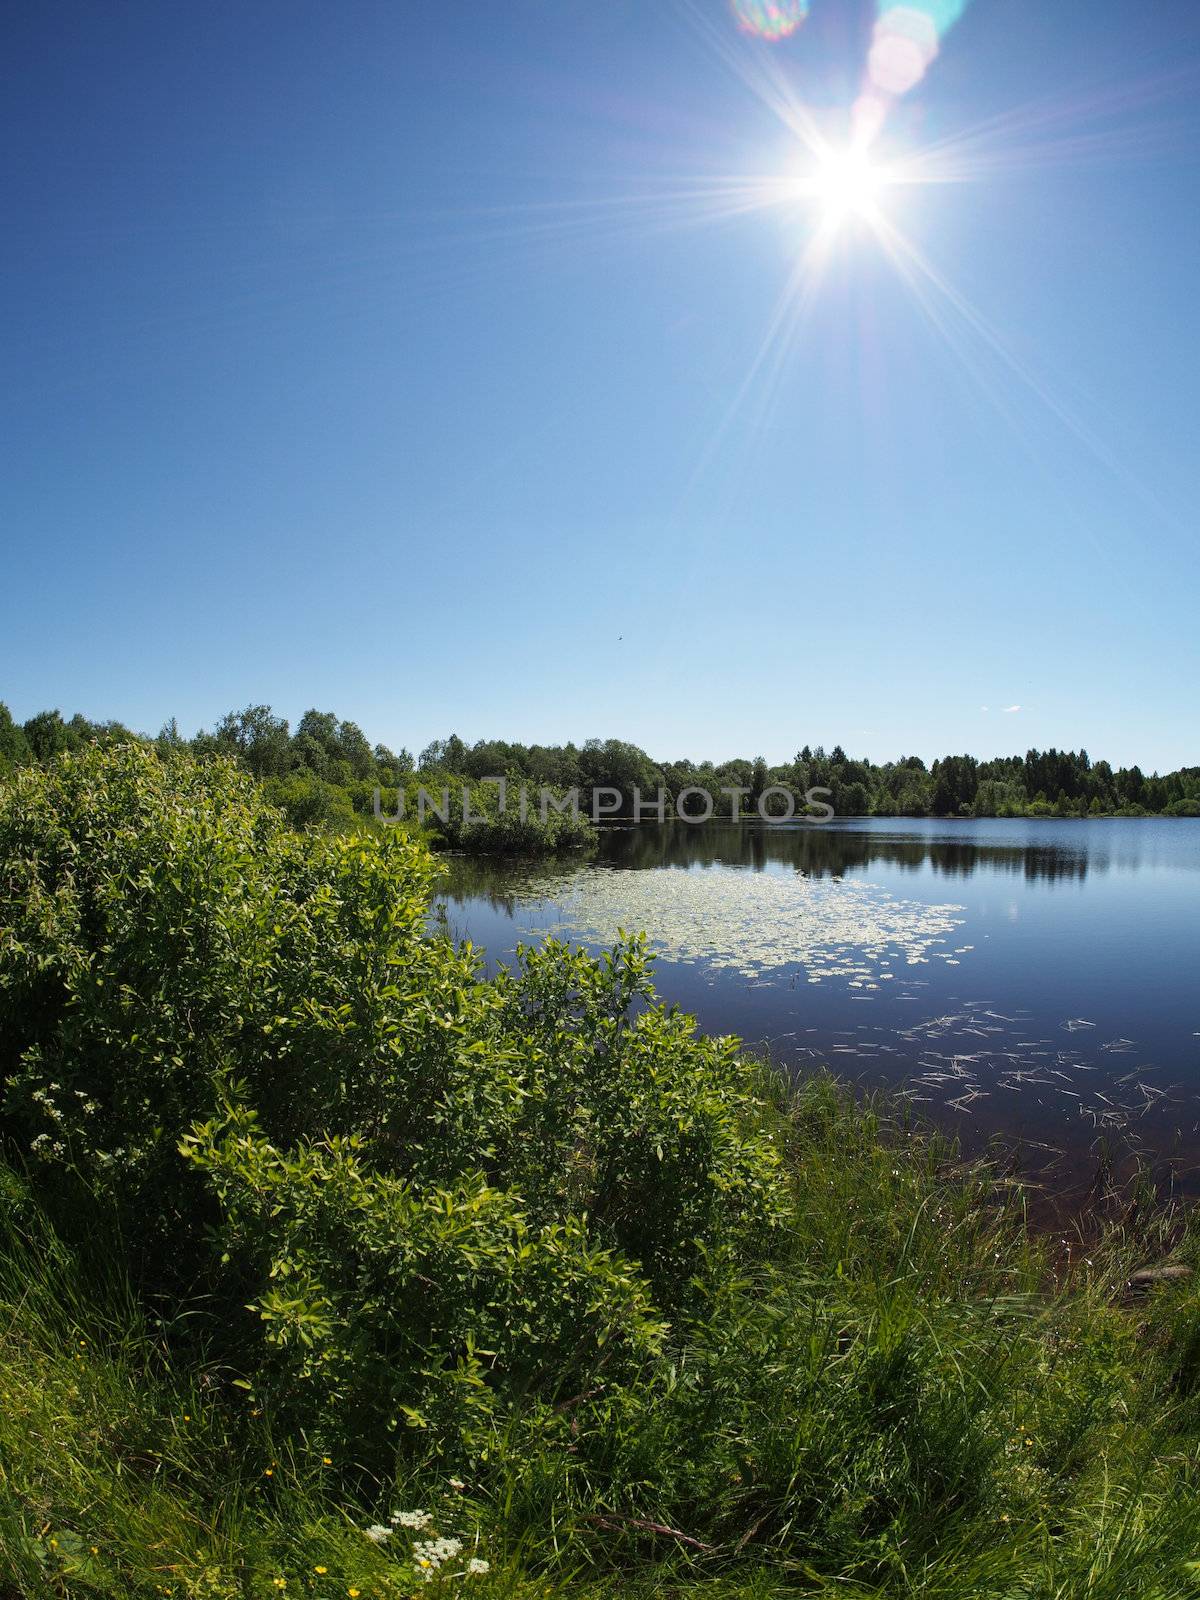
{"type": "Point", "coordinates": [847, 183]}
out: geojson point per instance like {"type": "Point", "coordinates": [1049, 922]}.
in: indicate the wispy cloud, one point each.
{"type": "Point", "coordinates": [1009, 709]}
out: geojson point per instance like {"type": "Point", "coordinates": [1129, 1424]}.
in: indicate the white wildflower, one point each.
{"type": "Point", "coordinates": [476, 1567]}
{"type": "Point", "coordinates": [411, 1519]}
{"type": "Point", "coordinates": [435, 1551]}
{"type": "Point", "coordinates": [377, 1533]}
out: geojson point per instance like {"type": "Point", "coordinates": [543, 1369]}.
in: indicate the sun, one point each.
{"type": "Point", "coordinates": [846, 183]}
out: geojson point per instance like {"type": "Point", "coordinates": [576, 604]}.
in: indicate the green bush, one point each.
{"type": "Point", "coordinates": [310, 802]}
{"type": "Point", "coordinates": [184, 973]}
{"type": "Point", "coordinates": [393, 1305]}
{"type": "Point", "coordinates": [507, 833]}
{"type": "Point", "coordinates": [467, 816]}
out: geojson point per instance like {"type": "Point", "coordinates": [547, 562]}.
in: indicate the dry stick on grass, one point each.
{"type": "Point", "coordinates": [613, 1522]}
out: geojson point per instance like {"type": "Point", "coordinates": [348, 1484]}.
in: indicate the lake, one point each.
{"type": "Point", "coordinates": [1032, 981]}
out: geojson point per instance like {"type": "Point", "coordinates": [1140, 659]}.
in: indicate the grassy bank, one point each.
{"type": "Point", "coordinates": [319, 1251]}
{"type": "Point", "coordinates": [913, 1400]}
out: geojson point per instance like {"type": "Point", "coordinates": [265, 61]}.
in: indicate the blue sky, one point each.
{"type": "Point", "coordinates": [398, 359]}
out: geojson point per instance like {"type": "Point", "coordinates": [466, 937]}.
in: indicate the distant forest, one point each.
{"type": "Point", "coordinates": [326, 770]}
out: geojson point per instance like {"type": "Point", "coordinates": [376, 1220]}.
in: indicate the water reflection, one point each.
{"type": "Point", "coordinates": [1022, 980]}
{"type": "Point", "coordinates": [827, 850]}
{"type": "Point", "coordinates": [816, 851]}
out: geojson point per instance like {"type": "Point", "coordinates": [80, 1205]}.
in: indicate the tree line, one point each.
{"type": "Point", "coordinates": [326, 771]}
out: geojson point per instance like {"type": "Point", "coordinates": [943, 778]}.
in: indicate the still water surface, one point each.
{"type": "Point", "coordinates": [1036, 980]}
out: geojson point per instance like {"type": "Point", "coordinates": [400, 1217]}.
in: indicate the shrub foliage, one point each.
{"type": "Point", "coordinates": [440, 1194]}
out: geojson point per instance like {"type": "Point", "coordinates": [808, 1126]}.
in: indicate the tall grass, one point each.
{"type": "Point", "coordinates": [127, 1470]}
{"type": "Point", "coordinates": [917, 1396]}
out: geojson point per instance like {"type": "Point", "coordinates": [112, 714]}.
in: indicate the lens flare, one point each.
{"type": "Point", "coordinates": [867, 117]}
{"type": "Point", "coordinates": [943, 14]}
{"type": "Point", "coordinates": [770, 19]}
{"type": "Point", "coordinates": [907, 37]}
{"type": "Point", "coordinates": [905, 42]}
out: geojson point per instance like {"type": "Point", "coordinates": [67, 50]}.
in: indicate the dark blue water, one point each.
{"type": "Point", "coordinates": [1033, 980]}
